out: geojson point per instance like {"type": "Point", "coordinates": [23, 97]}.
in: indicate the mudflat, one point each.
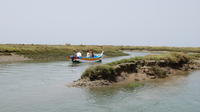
{"type": "Point", "coordinates": [12, 58]}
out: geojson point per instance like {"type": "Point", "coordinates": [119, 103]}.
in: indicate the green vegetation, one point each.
{"type": "Point", "coordinates": [99, 72]}
{"type": "Point", "coordinates": [172, 58]}
{"type": "Point", "coordinates": [195, 55]}
{"type": "Point", "coordinates": [162, 48]}
{"type": "Point", "coordinates": [135, 85]}
{"type": "Point", "coordinates": [55, 52]}
{"type": "Point", "coordinates": [59, 52]}
{"type": "Point", "coordinates": [157, 71]}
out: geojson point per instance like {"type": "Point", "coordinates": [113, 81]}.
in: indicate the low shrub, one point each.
{"type": "Point", "coordinates": [99, 72]}
{"type": "Point", "coordinates": [158, 72]}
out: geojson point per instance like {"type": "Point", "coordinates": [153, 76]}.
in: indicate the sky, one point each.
{"type": "Point", "coordinates": [101, 22]}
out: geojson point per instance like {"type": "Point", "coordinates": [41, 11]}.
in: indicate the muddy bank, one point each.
{"type": "Point", "coordinates": [137, 69]}
{"type": "Point", "coordinates": [12, 58]}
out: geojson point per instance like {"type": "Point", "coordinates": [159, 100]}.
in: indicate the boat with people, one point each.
{"type": "Point", "coordinates": [91, 57]}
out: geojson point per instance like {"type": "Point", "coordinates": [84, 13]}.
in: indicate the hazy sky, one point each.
{"type": "Point", "coordinates": [114, 22]}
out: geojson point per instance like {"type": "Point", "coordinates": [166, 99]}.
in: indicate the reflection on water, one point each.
{"type": "Point", "coordinates": [41, 87]}
{"type": "Point", "coordinates": [180, 93]}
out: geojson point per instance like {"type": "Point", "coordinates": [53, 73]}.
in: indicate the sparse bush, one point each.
{"type": "Point", "coordinates": [99, 72]}
{"type": "Point", "coordinates": [158, 72]}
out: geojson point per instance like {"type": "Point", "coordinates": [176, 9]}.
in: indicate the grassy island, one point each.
{"type": "Point", "coordinates": [59, 52]}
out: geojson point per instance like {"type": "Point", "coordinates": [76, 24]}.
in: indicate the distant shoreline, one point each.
{"type": "Point", "coordinates": [21, 52]}
{"type": "Point", "coordinates": [54, 52]}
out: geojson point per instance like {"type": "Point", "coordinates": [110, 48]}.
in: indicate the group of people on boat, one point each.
{"type": "Point", "coordinates": [89, 54]}
{"type": "Point", "coordinates": [90, 57]}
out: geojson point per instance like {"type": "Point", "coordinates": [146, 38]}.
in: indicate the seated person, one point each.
{"type": "Point", "coordinates": [78, 54]}
{"type": "Point", "coordinates": [92, 54]}
{"type": "Point", "coordinates": [88, 54]}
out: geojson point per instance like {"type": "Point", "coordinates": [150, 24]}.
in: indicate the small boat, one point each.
{"type": "Point", "coordinates": [95, 58]}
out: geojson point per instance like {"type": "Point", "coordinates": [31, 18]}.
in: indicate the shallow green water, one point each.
{"type": "Point", "coordinates": [41, 87]}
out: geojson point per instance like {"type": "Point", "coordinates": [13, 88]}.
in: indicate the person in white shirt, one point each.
{"type": "Point", "coordinates": [78, 54]}
{"type": "Point", "coordinates": [88, 54]}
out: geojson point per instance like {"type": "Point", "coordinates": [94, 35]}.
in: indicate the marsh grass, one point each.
{"type": "Point", "coordinates": [195, 55]}
{"type": "Point", "coordinates": [162, 48]}
{"type": "Point", "coordinates": [57, 52]}
{"type": "Point", "coordinates": [169, 58]}
{"type": "Point", "coordinates": [36, 51]}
